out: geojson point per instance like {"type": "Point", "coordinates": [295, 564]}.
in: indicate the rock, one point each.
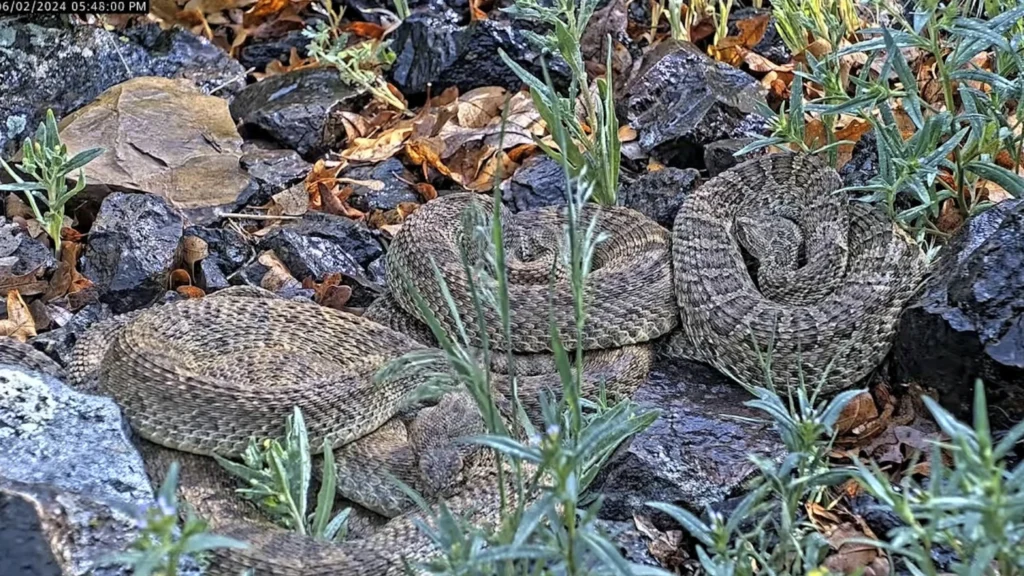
{"type": "Point", "coordinates": [659, 194]}
{"type": "Point", "coordinates": [20, 253]}
{"type": "Point", "coordinates": [969, 321]}
{"type": "Point", "coordinates": [720, 156]}
{"type": "Point", "coordinates": [539, 182]}
{"type": "Point", "coordinates": [863, 165]}
{"type": "Point", "coordinates": [34, 76]}
{"type": "Point", "coordinates": [131, 249]}
{"type": "Point", "coordinates": [227, 246]}
{"type": "Point", "coordinates": [432, 49]}
{"type": "Point", "coordinates": [78, 470]}
{"type": "Point", "coordinates": [321, 244]}
{"type": "Point", "coordinates": [297, 109]}
{"type": "Point", "coordinates": [456, 11]}
{"type": "Point", "coordinates": [58, 344]}
{"type": "Point", "coordinates": [164, 137]}
{"type": "Point", "coordinates": [630, 542]}
{"type": "Point", "coordinates": [24, 543]}
{"type": "Point", "coordinates": [271, 170]}
{"type": "Point", "coordinates": [389, 174]}
{"type": "Point", "coordinates": [696, 454]}
{"type": "Point", "coordinates": [259, 52]}
{"type": "Point", "coordinates": [681, 100]}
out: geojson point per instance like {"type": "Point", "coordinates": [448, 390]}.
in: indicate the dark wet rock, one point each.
{"type": "Point", "coordinates": [228, 246]}
{"type": "Point", "coordinates": [659, 194]}
{"type": "Point", "coordinates": [390, 174]}
{"type": "Point", "coordinates": [630, 542]}
{"type": "Point", "coordinates": [59, 343]}
{"type": "Point", "coordinates": [863, 165]}
{"type": "Point", "coordinates": [771, 45]}
{"type": "Point", "coordinates": [260, 52]}
{"type": "Point", "coordinates": [297, 109]}
{"type": "Point", "coordinates": [24, 544]}
{"type": "Point", "coordinates": [681, 100]}
{"type": "Point", "coordinates": [430, 48]}
{"type": "Point", "coordinates": [720, 156]}
{"type": "Point", "coordinates": [251, 274]}
{"type": "Point", "coordinates": [131, 250]}
{"type": "Point", "coordinates": [376, 271]}
{"type": "Point", "coordinates": [969, 321]}
{"type": "Point", "coordinates": [696, 454]}
{"type": "Point", "coordinates": [21, 253]}
{"type": "Point", "coordinates": [210, 276]}
{"type": "Point", "coordinates": [321, 244]}
{"type": "Point", "coordinates": [70, 456]}
{"type": "Point", "coordinates": [539, 182]}
{"type": "Point", "coordinates": [272, 171]}
{"type": "Point", "coordinates": [34, 76]}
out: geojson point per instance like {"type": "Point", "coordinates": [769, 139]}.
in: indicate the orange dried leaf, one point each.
{"type": "Point", "coordinates": [858, 411]}
{"type": "Point", "coordinates": [180, 277]}
{"type": "Point", "coordinates": [366, 30]}
{"type": "Point", "coordinates": [377, 149]}
{"type": "Point", "coordinates": [627, 133]}
{"type": "Point", "coordinates": [426, 191]}
{"type": "Point", "coordinates": [427, 153]}
{"type": "Point", "coordinates": [264, 8]}
{"type": "Point", "coordinates": [752, 29]}
{"type": "Point", "coordinates": [190, 291]}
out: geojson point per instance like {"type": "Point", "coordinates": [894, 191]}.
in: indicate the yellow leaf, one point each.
{"type": "Point", "coordinates": [19, 324]}
{"type": "Point", "coordinates": [377, 149]}
{"type": "Point", "coordinates": [480, 105]}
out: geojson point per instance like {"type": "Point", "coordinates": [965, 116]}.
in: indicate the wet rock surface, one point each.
{"type": "Point", "coordinates": [969, 321]}
{"type": "Point", "coordinates": [863, 165]}
{"type": "Point", "coordinates": [433, 49]}
{"type": "Point", "coordinates": [696, 453]}
{"type": "Point", "coordinates": [539, 182]}
{"type": "Point", "coordinates": [131, 250]}
{"type": "Point", "coordinates": [382, 186]}
{"type": "Point", "coordinates": [77, 469]}
{"type": "Point", "coordinates": [264, 51]}
{"type": "Point", "coordinates": [322, 244]}
{"type": "Point", "coordinates": [659, 194]}
{"type": "Point", "coordinates": [272, 170]}
{"type": "Point", "coordinates": [721, 156]}
{"type": "Point", "coordinates": [681, 100]}
{"type": "Point", "coordinates": [90, 60]}
{"type": "Point", "coordinates": [20, 253]}
{"type": "Point", "coordinates": [297, 109]}
{"type": "Point", "coordinates": [59, 343]}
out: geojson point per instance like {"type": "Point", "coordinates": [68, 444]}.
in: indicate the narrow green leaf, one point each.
{"type": "Point", "coordinates": [203, 542]}
{"type": "Point", "coordinates": [325, 497]}
{"type": "Point", "coordinates": [1009, 181]}
{"type": "Point", "coordinates": [687, 520]}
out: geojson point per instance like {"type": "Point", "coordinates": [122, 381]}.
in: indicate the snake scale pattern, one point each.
{"type": "Point", "coordinates": [200, 377]}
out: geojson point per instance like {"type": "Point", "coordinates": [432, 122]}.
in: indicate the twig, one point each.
{"type": "Point", "coordinates": [260, 217]}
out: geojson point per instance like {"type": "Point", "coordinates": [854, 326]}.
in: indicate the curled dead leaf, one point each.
{"type": "Point", "coordinates": [190, 291]}
{"type": "Point", "coordinates": [19, 323]}
{"type": "Point", "coordinates": [377, 149]}
{"type": "Point", "coordinates": [426, 191]}
{"type": "Point", "coordinates": [278, 277]}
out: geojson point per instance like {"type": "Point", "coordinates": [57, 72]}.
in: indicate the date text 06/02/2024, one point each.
{"type": "Point", "coordinates": [16, 7]}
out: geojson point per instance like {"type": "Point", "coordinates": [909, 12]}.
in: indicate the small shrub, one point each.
{"type": "Point", "coordinates": [973, 506]}
{"type": "Point", "coordinates": [162, 543]}
{"type": "Point", "coordinates": [359, 64]}
{"type": "Point", "coordinates": [277, 473]}
{"type": "Point", "coordinates": [45, 160]}
{"type": "Point", "coordinates": [593, 156]}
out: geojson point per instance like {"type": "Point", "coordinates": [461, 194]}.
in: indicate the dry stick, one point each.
{"type": "Point", "coordinates": [260, 217]}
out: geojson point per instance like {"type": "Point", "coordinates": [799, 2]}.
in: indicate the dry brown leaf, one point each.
{"type": "Point", "coordinates": [355, 125]}
{"type": "Point", "coordinates": [377, 149]}
{"type": "Point", "coordinates": [366, 30]}
{"type": "Point", "coordinates": [264, 8]}
{"type": "Point", "coordinates": [275, 67]}
{"type": "Point", "coordinates": [15, 207]}
{"type": "Point", "coordinates": [858, 411]}
{"type": "Point", "coordinates": [751, 30]}
{"type": "Point", "coordinates": [293, 201]}
{"type": "Point", "coordinates": [426, 191]}
{"type": "Point", "coordinates": [950, 218]}
{"type": "Point", "coordinates": [190, 291]}
{"type": "Point", "coordinates": [480, 106]}
{"type": "Point", "coordinates": [278, 277]}
{"type": "Point", "coordinates": [627, 133]}
{"type": "Point", "coordinates": [331, 292]}
{"type": "Point", "coordinates": [19, 323]}
{"type": "Point", "coordinates": [194, 249]}
{"type": "Point", "coordinates": [852, 557]}
{"type": "Point", "coordinates": [666, 547]}
{"type": "Point", "coordinates": [426, 152]}
{"type": "Point", "coordinates": [180, 277]}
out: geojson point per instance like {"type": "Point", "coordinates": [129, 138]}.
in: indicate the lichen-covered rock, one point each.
{"type": "Point", "coordinates": [432, 49]}
{"type": "Point", "coordinates": [659, 194]}
{"type": "Point", "coordinates": [69, 461]}
{"type": "Point", "coordinates": [131, 250]}
{"type": "Point", "coordinates": [969, 321]}
{"type": "Point", "coordinates": [695, 454]}
{"type": "Point", "coordinates": [297, 109]}
{"type": "Point", "coordinates": [681, 100]}
{"type": "Point", "coordinates": [539, 182]}
{"type": "Point", "coordinates": [35, 76]}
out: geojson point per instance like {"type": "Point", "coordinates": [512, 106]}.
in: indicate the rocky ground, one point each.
{"type": "Point", "coordinates": [245, 164]}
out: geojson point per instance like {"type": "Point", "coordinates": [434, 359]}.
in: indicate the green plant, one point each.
{"type": "Point", "coordinates": [955, 142]}
{"type": "Point", "coordinates": [767, 533]}
{"type": "Point", "coordinates": [541, 476]}
{"type": "Point", "coordinates": [402, 8]}
{"type": "Point", "coordinates": [359, 64]}
{"type": "Point", "coordinates": [278, 474]}
{"type": "Point", "coordinates": [973, 506]}
{"type": "Point", "coordinates": [162, 543]}
{"type": "Point", "coordinates": [592, 151]}
{"type": "Point", "coordinates": [45, 160]}
{"type": "Point", "coordinates": [801, 22]}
